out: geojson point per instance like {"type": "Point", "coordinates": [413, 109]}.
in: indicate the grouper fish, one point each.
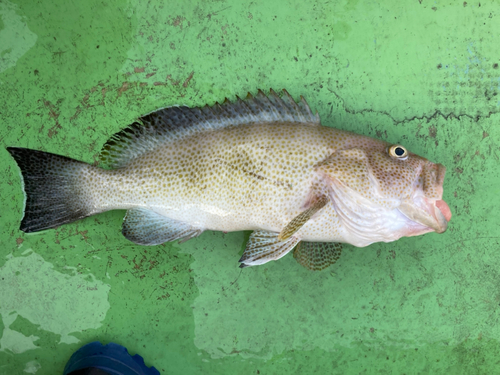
{"type": "Point", "coordinates": [264, 164]}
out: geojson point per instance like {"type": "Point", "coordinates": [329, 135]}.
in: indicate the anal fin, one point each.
{"type": "Point", "coordinates": [146, 227]}
{"type": "Point", "coordinates": [263, 247]}
{"type": "Point", "coordinates": [317, 256]}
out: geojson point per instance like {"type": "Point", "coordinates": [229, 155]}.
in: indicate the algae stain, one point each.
{"type": "Point", "coordinates": [38, 301]}
{"type": "Point", "coordinates": [15, 37]}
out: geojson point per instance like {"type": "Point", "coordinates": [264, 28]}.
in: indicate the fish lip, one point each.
{"type": "Point", "coordinates": [430, 216]}
{"type": "Point", "coordinates": [442, 223]}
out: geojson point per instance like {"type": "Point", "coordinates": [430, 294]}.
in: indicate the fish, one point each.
{"type": "Point", "coordinates": [264, 164]}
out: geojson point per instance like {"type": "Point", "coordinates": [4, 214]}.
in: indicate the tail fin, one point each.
{"type": "Point", "coordinates": [52, 193]}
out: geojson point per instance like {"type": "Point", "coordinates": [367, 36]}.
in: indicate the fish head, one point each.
{"type": "Point", "coordinates": [383, 192]}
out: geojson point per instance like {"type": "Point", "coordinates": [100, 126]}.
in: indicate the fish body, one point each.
{"type": "Point", "coordinates": [264, 164]}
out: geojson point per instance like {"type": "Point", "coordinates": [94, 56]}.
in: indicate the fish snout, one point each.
{"type": "Point", "coordinates": [442, 212]}
{"type": "Point", "coordinates": [426, 206]}
{"type": "Point", "coordinates": [434, 214]}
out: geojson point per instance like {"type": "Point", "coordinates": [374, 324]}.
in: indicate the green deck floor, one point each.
{"type": "Point", "coordinates": [422, 73]}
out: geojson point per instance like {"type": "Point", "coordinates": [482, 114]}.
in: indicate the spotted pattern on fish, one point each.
{"type": "Point", "coordinates": [317, 257]}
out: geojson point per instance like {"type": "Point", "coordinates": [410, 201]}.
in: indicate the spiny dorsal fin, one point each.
{"type": "Point", "coordinates": [172, 123]}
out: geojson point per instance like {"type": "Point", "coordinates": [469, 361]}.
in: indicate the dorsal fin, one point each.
{"type": "Point", "coordinates": [172, 123]}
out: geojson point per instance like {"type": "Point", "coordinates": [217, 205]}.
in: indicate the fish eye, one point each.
{"type": "Point", "coordinates": [398, 151]}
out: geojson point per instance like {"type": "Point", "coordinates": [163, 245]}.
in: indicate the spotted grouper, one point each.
{"type": "Point", "coordinates": [264, 164]}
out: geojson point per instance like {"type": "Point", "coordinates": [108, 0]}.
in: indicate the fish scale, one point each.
{"type": "Point", "coordinates": [264, 164]}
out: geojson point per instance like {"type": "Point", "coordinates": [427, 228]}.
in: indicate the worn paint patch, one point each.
{"type": "Point", "coordinates": [37, 298]}
{"type": "Point", "coordinates": [32, 367]}
{"type": "Point", "coordinates": [12, 340]}
{"type": "Point", "coordinates": [15, 38]}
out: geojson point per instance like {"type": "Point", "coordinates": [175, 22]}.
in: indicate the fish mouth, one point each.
{"type": "Point", "coordinates": [434, 214]}
{"type": "Point", "coordinates": [426, 207]}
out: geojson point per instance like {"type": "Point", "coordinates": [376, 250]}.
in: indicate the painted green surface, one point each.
{"type": "Point", "coordinates": [425, 74]}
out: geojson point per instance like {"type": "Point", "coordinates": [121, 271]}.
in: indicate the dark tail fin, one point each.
{"type": "Point", "coordinates": [52, 192]}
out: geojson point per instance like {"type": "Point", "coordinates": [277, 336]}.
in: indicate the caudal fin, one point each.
{"type": "Point", "coordinates": [52, 193]}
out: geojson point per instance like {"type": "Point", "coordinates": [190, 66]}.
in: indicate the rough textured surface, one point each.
{"type": "Point", "coordinates": [422, 74]}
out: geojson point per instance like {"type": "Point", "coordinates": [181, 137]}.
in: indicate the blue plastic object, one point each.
{"type": "Point", "coordinates": [112, 358]}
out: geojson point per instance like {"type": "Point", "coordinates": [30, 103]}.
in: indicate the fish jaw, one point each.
{"type": "Point", "coordinates": [426, 207]}
{"type": "Point", "coordinates": [432, 215]}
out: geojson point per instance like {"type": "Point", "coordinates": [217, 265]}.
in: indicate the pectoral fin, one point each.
{"type": "Point", "coordinates": [263, 247]}
{"type": "Point", "coordinates": [145, 227]}
{"type": "Point", "coordinates": [299, 220]}
{"type": "Point", "coordinates": [317, 255]}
